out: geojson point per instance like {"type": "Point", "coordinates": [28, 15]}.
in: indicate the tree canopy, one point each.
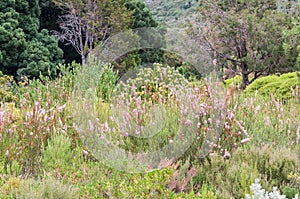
{"type": "Point", "coordinates": [244, 36]}
{"type": "Point", "coordinates": [25, 50]}
{"type": "Point", "coordinates": [88, 23]}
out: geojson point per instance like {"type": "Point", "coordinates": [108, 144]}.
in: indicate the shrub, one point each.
{"type": "Point", "coordinates": [107, 82]}
{"type": "Point", "coordinates": [235, 81]}
{"type": "Point", "coordinates": [154, 83]}
{"type": "Point", "coordinates": [280, 86]}
{"type": "Point", "coordinates": [232, 178]}
{"type": "Point", "coordinates": [49, 188]}
{"type": "Point", "coordinates": [58, 152]}
{"type": "Point", "coordinates": [290, 191]}
{"type": "Point", "coordinates": [7, 88]}
{"type": "Point", "coordinates": [260, 82]}
{"type": "Point", "coordinates": [259, 193]}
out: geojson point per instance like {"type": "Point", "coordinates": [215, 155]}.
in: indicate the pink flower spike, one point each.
{"type": "Point", "coordinates": [226, 154]}
{"type": "Point", "coordinates": [187, 122]}
{"type": "Point", "coordinates": [245, 140]}
{"type": "Point", "coordinates": [137, 132]}
{"type": "Point", "coordinates": [135, 112]}
{"type": "Point", "coordinates": [60, 108]}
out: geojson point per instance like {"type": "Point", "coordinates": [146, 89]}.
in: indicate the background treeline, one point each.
{"type": "Point", "coordinates": [37, 35]}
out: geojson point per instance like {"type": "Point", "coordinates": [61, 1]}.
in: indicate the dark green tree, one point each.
{"type": "Point", "coordinates": [24, 50]}
{"type": "Point", "coordinates": [144, 19]}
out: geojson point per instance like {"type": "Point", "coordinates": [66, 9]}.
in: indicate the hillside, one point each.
{"type": "Point", "coordinates": [169, 12]}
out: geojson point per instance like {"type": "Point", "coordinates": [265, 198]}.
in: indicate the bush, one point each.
{"type": "Point", "coordinates": [232, 178]}
{"type": "Point", "coordinates": [280, 86]}
{"type": "Point", "coordinates": [49, 188]}
{"type": "Point", "coordinates": [153, 83]}
{"type": "Point", "coordinates": [235, 81]}
{"type": "Point", "coordinates": [259, 193]}
{"type": "Point", "coordinates": [6, 89]}
{"type": "Point", "coordinates": [58, 152]}
{"type": "Point", "coordinates": [107, 82]}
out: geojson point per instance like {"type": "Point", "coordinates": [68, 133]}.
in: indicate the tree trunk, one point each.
{"type": "Point", "coordinates": [83, 60]}
{"type": "Point", "coordinates": [245, 76]}
{"type": "Point", "coordinates": [245, 80]}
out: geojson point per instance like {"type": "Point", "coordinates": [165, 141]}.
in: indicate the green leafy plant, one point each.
{"type": "Point", "coordinates": [259, 193]}
{"type": "Point", "coordinates": [49, 188]}
{"type": "Point", "coordinates": [282, 87]}
{"type": "Point", "coordinates": [7, 88]}
{"type": "Point", "coordinates": [57, 153]}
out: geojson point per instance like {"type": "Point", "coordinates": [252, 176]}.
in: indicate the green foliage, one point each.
{"type": "Point", "coordinates": [280, 86]}
{"type": "Point", "coordinates": [26, 51]}
{"type": "Point", "coordinates": [104, 19]}
{"type": "Point", "coordinates": [290, 192]}
{"type": "Point", "coordinates": [259, 192]}
{"type": "Point", "coordinates": [57, 153]}
{"type": "Point", "coordinates": [151, 83]}
{"type": "Point", "coordinates": [170, 12]}
{"type": "Point", "coordinates": [291, 43]}
{"type": "Point", "coordinates": [49, 188]}
{"type": "Point", "coordinates": [229, 21]}
{"type": "Point", "coordinates": [239, 172]}
{"type": "Point", "coordinates": [107, 82]}
{"type": "Point", "coordinates": [235, 81]}
{"type": "Point", "coordinates": [7, 89]}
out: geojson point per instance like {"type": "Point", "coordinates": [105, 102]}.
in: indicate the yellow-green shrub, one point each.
{"type": "Point", "coordinates": [280, 86]}
{"type": "Point", "coordinates": [235, 81]}
{"type": "Point", "coordinates": [6, 91]}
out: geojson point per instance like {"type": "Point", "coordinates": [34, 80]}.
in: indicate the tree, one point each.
{"type": "Point", "coordinates": [88, 23]}
{"type": "Point", "coordinates": [144, 19]}
{"type": "Point", "coordinates": [243, 36]}
{"type": "Point", "coordinates": [291, 36]}
{"type": "Point", "coordinates": [24, 50]}
{"type": "Point", "coordinates": [48, 20]}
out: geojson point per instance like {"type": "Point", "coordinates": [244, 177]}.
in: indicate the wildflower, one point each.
{"type": "Point", "coordinates": [171, 141]}
{"type": "Point", "coordinates": [139, 101]}
{"type": "Point", "coordinates": [267, 120]}
{"type": "Point", "coordinates": [60, 108]}
{"type": "Point", "coordinates": [227, 126]}
{"type": "Point", "coordinates": [2, 115]}
{"type": "Point", "coordinates": [230, 115]}
{"type": "Point", "coordinates": [84, 152]}
{"type": "Point", "coordinates": [135, 112]}
{"type": "Point", "coordinates": [199, 125]}
{"type": "Point", "coordinates": [257, 109]}
{"type": "Point", "coordinates": [137, 132]}
{"type": "Point", "coordinates": [178, 121]}
{"type": "Point", "coordinates": [245, 140]}
{"type": "Point", "coordinates": [209, 120]}
{"type": "Point", "coordinates": [226, 154]}
{"type": "Point", "coordinates": [187, 122]}
{"type": "Point", "coordinates": [106, 127]}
